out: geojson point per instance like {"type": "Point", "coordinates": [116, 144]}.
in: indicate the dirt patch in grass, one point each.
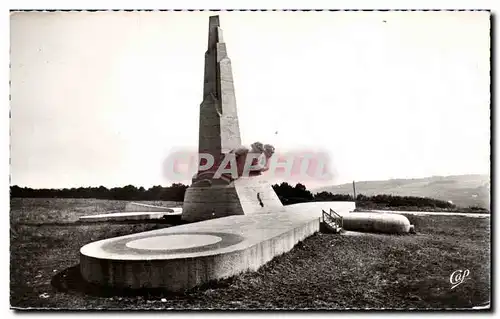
{"type": "Point", "coordinates": [325, 271]}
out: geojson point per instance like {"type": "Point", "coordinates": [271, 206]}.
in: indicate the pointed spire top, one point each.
{"type": "Point", "coordinates": [214, 22]}
{"type": "Point", "coordinates": [214, 32]}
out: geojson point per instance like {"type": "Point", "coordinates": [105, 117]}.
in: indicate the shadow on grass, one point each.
{"type": "Point", "coordinates": [70, 280]}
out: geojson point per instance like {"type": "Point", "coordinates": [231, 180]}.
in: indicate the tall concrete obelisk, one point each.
{"type": "Point", "coordinates": [219, 135]}
{"type": "Point", "coordinates": [219, 127]}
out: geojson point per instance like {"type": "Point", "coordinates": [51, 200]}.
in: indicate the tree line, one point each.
{"type": "Point", "coordinates": [299, 194]}
{"type": "Point", "coordinates": [287, 193]}
{"type": "Point", "coordinates": [173, 193]}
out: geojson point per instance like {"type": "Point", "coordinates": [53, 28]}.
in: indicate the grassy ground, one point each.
{"type": "Point", "coordinates": [66, 210]}
{"type": "Point", "coordinates": [469, 210]}
{"type": "Point", "coordinates": [324, 271]}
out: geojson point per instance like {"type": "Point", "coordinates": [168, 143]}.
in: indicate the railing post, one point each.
{"type": "Point", "coordinates": [339, 220]}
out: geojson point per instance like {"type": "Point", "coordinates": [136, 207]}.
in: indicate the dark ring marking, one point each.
{"type": "Point", "coordinates": [119, 246]}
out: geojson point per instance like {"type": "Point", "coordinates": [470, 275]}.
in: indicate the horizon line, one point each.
{"type": "Point", "coordinates": [277, 182]}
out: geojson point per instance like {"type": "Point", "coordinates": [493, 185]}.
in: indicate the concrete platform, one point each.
{"type": "Point", "coordinates": [185, 256]}
{"type": "Point", "coordinates": [127, 216]}
{"type": "Point", "coordinates": [315, 208]}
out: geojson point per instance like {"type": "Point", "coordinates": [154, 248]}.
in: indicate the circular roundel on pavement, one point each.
{"type": "Point", "coordinates": [172, 243]}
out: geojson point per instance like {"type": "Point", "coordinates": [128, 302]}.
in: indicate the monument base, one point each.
{"type": "Point", "coordinates": [185, 256]}
{"type": "Point", "coordinates": [243, 196]}
{"type": "Point", "coordinates": [182, 257]}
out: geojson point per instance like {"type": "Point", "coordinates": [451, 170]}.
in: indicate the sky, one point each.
{"type": "Point", "coordinates": [103, 98]}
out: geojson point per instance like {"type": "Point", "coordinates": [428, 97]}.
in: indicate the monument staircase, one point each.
{"type": "Point", "coordinates": [331, 222]}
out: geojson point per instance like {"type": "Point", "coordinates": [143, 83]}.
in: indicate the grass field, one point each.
{"type": "Point", "coordinates": [325, 271]}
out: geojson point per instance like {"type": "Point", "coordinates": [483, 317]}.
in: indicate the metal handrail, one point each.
{"type": "Point", "coordinates": [340, 217]}
{"type": "Point", "coordinates": [338, 220]}
{"type": "Point", "coordinates": [323, 214]}
{"type": "Point", "coordinates": [327, 214]}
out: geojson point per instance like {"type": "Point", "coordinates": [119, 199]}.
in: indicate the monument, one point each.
{"type": "Point", "coordinates": [218, 245]}
{"type": "Point", "coordinates": [219, 137]}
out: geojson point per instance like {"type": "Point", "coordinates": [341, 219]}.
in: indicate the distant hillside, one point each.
{"type": "Point", "coordinates": [462, 190]}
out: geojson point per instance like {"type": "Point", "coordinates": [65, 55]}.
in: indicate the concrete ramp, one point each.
{"type": "Point", "coordinates": [135, 211]}
{"type": "Point", "coordinates": [123, 216]}
{"type": "Point", "coordinates": [139, 207]}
